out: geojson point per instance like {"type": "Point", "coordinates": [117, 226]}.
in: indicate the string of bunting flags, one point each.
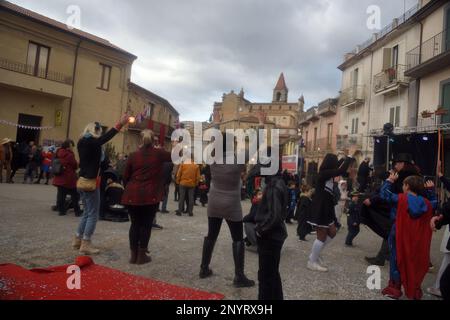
{"type": "Point", "coordinates": [8, 123]}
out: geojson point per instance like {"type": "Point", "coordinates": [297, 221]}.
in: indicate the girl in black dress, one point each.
{"type": "Point", "coordinates": [322, 208]}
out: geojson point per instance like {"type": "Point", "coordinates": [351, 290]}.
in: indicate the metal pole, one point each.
{"type": "Point", "coordinates": [387, 154]}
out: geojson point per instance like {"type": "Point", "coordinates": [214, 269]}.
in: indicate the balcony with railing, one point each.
{"type": "Point", "coordinates": [353, 96]}
{"type": "Point", "coordinates": [309, 116]}
{"type": "Point", "coordinates": [391, 79]}
{"type": "Point", "coordinates": [320, 146]}
{"type": "Point", "coordinates": [430, 56]}
{"type": "Point", "coordinates": [17, 74]}
{"type": "Point", "coordinates": [327, 108]}
{"type": "Point", "coordinates": [347, 142]}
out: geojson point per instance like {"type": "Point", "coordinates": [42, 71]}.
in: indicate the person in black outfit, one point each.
{"type": "Point", "coordinates": [271, 234]}
{"type": "Point", "coordinates": [364, 175]}
{"type": "Point", "coordinates": [437, 223]}
{"type": "Point", "coordinates": [303, 212]}
{"type": "Point", "coordinates": [167, 177]}
{"type": "Point", "coordinates": [323, 214]}
{"type": "Point", "coordinates": [250, 221]}
{"type": "Point", "coordinates": [382, 223]}
{"type": "Point", "coordinates": [353, 219]}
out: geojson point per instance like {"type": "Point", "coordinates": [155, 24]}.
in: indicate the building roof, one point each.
{"type": "Point", "coordinates": [281, 84]}
{"type": "Point", "coordinates": [404, 22]}
{"type": "Point", "coordinates": [36, 17]}
{"type": "Point", "coordinates": [153, 96]}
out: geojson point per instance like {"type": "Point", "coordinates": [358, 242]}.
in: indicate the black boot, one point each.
{"type": "Point", "coordinates": [381, 257]}
{"type": "Point", "coordinates": [240, 280]}
{"type": "Point", "coordinates": [134, 255]}
{"type": "Point", "coordinates": [208, 248]}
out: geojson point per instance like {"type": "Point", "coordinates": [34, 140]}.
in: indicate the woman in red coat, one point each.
{"type": "Point", "coordinates": [144, 190]}
{"type": "Point", "coordinates": [66, 182]}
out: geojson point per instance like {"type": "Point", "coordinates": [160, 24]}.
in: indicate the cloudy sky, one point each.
{"type": "Point", "coordinates": [192, 51]}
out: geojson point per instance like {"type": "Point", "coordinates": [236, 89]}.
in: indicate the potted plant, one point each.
{"type": "Point", "coordinates": [426, 114]}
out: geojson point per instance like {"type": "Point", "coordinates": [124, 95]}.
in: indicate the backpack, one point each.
{"type": "Point", "coordinates": [56, 168]}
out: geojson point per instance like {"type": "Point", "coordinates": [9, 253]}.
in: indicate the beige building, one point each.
{"type": "Point", "coordinates": [59, 80]}
{"type": "Point", "coordinates": [159, 116]}
{"type": "Point", "coordinates": [400, 76]}
{"type": "Point", "coordinates": [239, 113]}
{"type": "Point", "coordinates": [319, 126]}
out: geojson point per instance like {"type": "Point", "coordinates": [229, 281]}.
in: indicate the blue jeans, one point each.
{"type": "Point", "coordinates": [91, 204]}
{"type": "Point", "coordinates": [394, 273]}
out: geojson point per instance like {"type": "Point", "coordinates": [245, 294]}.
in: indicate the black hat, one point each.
{"type": "Point", "coordinates": [403, 157]}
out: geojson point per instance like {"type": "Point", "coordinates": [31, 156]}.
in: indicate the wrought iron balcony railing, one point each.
{"type": "Point", "coordinates": [431, 48]}
{"type": "Point", "coordinates": [352, 95]}
{"type": "Point", "coordinates": [390, 77]}
{"type": "Point", "coordinates": [36, 72]}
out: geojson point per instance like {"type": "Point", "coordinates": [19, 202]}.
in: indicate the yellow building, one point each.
{"type": "Point", "coordinates": [161, 118]}
{"type": "Point", "coordinates": [239, 113]}
{"type": "Point", "coordinates": [57, 79]}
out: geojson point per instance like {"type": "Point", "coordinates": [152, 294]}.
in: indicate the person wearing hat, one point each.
{"type": "Point", "coordinates": [6, 156]}
{"type": "Point", "coordinates": [353, 218]}
{"type": "Point", "coordinates": [403, 165]}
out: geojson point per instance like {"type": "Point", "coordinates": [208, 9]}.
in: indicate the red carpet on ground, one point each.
{"type": "Point", "coordinates": [97, 283]}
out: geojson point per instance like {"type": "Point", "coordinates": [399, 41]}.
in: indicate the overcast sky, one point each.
{"type": "Point", "coordinates": [192, 51]}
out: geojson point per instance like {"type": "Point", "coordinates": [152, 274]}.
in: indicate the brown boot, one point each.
{"type": "Point", "coordinates": [76, 243]}
{"type": "Point", "coordinates": [134, 255]}
{"type": "Point", "coordinates": [87, 248]}
{"type": "Point", "coordinates": [142, 257]}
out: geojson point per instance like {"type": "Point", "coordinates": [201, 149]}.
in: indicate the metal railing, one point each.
{"type": "Point", "coordinates": [36, 72]}
{"type": "Point", "coordinates": [352, 94]}
{"type": "Point", "coordinates": [390, 76]}
{"type": "Point", "coordinates": [431, 48]}
{"type": "Point", "coordinates": [327, 106]}
{"type": "Point", "coordinates": [321, 145]}
{"type": "Point", "coordinates": [345, 142]}
{"type": "Point", "coordinates": [389, 28]}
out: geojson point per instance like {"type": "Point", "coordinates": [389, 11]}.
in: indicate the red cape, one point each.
{"type": "Point", "coordinates": [413, 237]}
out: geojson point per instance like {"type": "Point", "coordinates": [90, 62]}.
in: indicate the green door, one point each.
{"type": "Point", "coordinates": [446, 102]}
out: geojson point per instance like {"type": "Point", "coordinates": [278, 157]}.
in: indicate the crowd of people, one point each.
{"type": "Point", "coordinates": [404, 210]}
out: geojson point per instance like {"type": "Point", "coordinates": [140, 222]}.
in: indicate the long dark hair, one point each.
{"type": "Point", "coordinates": [330, 162]}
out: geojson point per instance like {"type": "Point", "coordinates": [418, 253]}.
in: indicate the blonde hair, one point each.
{"type": "Point", "coordinates": [92, 129]}
{"type": "Point", "coordinates": [147, 137]}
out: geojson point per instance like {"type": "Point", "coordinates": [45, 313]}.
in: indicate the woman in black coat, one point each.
{"type": "Point", "coordinates": [270, 235]}
{"type": "Point", "coordinates": [323, 216]}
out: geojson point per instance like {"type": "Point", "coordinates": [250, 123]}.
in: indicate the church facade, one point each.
{"type": "Point", "coordinates": [239, 113]}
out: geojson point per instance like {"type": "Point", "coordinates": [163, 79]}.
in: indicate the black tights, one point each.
{"type": "Point", "coordinates": [236, 229]}
{"type": "Point", "coordinates": [141, 225]}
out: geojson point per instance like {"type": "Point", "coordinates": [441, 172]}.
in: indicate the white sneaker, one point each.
{"type": "Point", "coordinates": [314, 266]}
{"type": "Point", "coordinates": [321, 262]}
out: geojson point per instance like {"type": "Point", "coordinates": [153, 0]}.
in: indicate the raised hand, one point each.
{"type": "Point", "coordinates": [393, 177]}
{"type": "Point", "coordinates": [429, 184]}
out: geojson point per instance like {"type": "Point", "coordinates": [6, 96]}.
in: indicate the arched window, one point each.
{"type": "Point", "coordinates": [278, 96]}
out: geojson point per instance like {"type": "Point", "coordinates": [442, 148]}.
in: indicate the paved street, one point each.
{"type": "Point", "coordinates": [31, 235]}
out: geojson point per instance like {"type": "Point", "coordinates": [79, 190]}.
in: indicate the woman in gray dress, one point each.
{"type": "Point", "coordinates": [225, 204]}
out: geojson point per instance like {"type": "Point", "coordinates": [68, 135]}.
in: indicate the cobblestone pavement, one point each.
{"type": "Point", "coordinates": [31, 235]}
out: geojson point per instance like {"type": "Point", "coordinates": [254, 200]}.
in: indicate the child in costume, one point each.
{"type": "Point", "coordinates": [410, 237]}
{"type": "Point", "coordinates": [353, 218]}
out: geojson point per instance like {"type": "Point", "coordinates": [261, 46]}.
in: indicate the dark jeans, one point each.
{"type": "Point", "coordinates": [363, 182]}
{"type": "Point", "coordinates": [141, 225]}
{"type": "Point", "coordinates": [189, 193]}
{"type": "Point", "coordinates": [353, 231]}
{"type": "Point", "coordinates": [61, 199]}
{"type": "Point", "coordinates": [445, 284]}
{"type": "Point", "coordinates": [270, 286]}
{"type": "Point", "coordinates": [177, 192]}
{"type": "Point", "coordinates": [236, 229]}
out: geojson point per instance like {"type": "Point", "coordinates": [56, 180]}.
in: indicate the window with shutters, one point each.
{"type": "Point", "coordinates": [394, 116]}
{"type": "Point", "coordinates": [37, 60]}
{"type": "Point", "coordinates": [355, 123]}
{"type": "Point", "coordinates": [105, 77]}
